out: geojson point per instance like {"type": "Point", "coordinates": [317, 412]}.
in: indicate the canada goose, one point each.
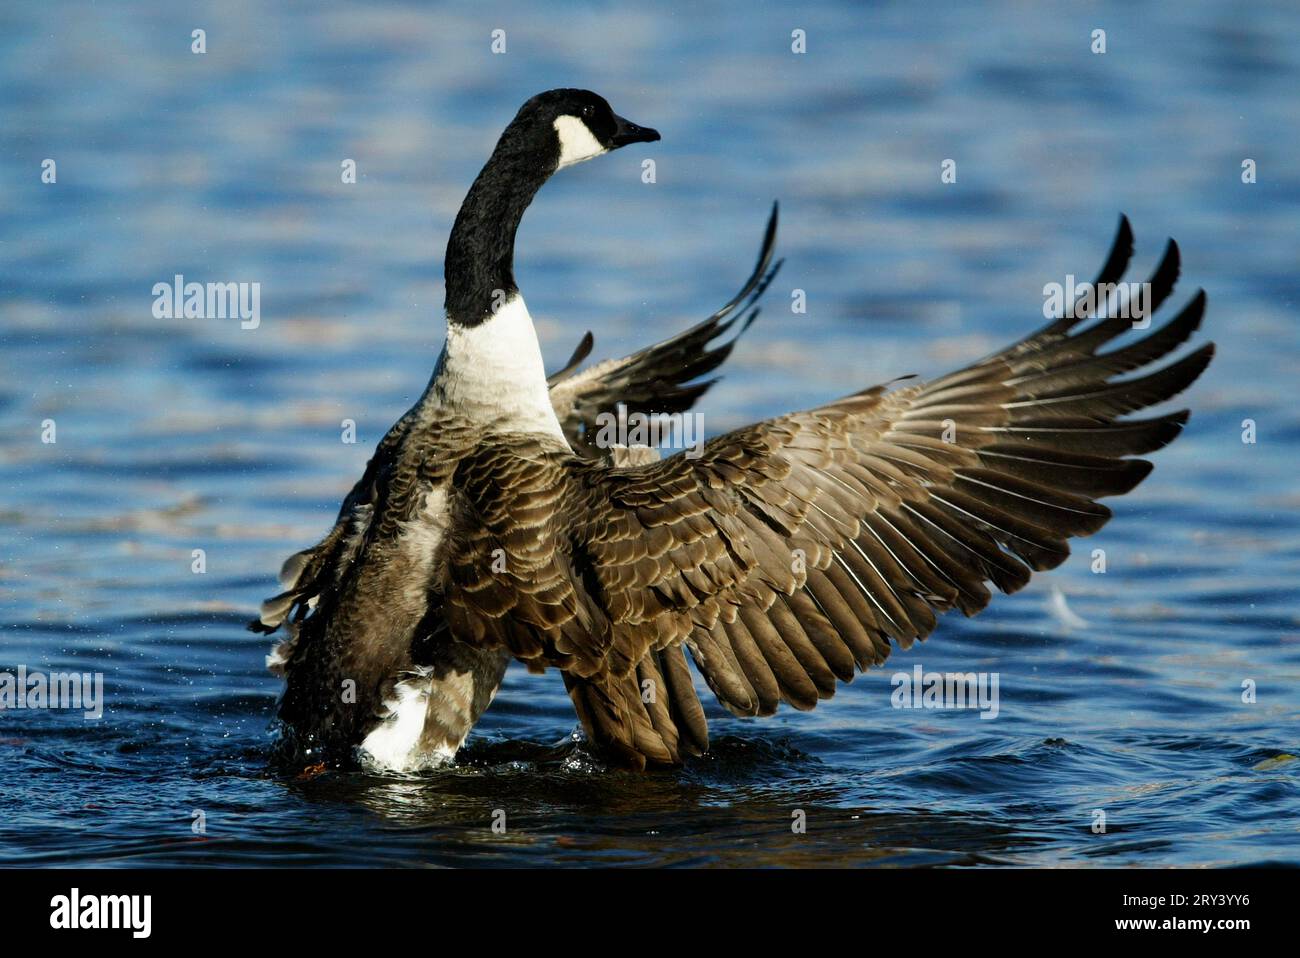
{"type": "Point", "coordinates": [785, 558]}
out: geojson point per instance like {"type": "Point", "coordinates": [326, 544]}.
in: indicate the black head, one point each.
{"type": "Point", "coordinates": [553, 130]}
{"type": "Point", "coordinates": [570, 126]}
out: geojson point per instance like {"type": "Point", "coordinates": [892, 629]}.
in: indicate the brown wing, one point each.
{"type": "Point", "coordinates": [304, 575]}
{"type": "Point", "coordinates": [663, 378]}
{"type": "Point", "coordinates": [793, 551]}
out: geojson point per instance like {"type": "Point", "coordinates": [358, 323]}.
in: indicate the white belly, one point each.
{"type": "Point", "coordinates": [443, 706]}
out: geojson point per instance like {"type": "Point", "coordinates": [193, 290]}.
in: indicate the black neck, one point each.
{"type": "Point", "coordinates": [479, 265]}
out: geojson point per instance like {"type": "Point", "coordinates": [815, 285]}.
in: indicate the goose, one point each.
{"type": "Point", "coordinates": [785, 557]}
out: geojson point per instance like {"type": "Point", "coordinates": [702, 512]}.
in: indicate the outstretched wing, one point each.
{"type": "Point", "coordinates": [791, 552]}
{"type": "Point", "coordinates": [304, 575]}
{"type": "Point", "coordinates": [662, 378]}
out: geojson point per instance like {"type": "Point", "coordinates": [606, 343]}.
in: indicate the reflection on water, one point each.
{"type": "Point", "coordinates": [177, 435]}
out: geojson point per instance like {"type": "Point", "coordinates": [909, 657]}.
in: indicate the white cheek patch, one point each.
{"type": "Point", "coordinates": [576, 142]}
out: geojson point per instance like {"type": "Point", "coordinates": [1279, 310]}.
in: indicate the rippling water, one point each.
{"type": "Point", "coordinates": [176, 435]}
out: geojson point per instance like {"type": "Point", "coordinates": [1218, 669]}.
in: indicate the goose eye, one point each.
{"type": "Point", "coordinates": [588, 111]}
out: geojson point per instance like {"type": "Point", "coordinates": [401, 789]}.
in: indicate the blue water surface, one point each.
{"type": "Point", "coordinates": [1121, 692]}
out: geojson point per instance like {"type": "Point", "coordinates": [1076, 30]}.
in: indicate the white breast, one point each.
{"type": "Point", "coordinates": [493, 373]}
